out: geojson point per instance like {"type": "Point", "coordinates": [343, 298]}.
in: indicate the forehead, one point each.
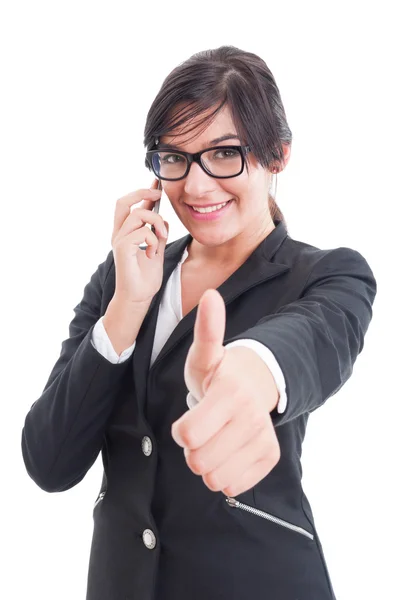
{"type": "Point", "coordinates": [195, 134]}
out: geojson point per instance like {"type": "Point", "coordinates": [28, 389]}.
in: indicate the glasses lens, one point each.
{"type": "Point", "coordinates": [170, 165]}
{"type": "Point", "coordinates": [220, 162]}
{"type": "Point", "coordinates": [223, 162]}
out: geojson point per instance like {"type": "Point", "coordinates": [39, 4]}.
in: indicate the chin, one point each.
{"type": "Point", "coordinates": [211, 239]}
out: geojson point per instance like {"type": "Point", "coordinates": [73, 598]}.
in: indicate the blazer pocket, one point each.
{"type": "Point", "coordinates": [264, 515]}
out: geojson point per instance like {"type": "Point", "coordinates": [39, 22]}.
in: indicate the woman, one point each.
{"type": "Point", "coordinates": [203, 503]}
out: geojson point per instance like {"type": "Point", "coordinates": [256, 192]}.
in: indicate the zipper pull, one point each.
{"type": "Point", "coordinates": [232, 502]}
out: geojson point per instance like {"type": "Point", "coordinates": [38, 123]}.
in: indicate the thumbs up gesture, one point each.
{"type": "Point", "coordinates": [228, 437]}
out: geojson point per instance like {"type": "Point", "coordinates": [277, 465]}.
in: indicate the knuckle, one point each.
{"type": "Point", "coordinates": [196, 464]}
{"type": "Point", "coordinates": [211, 481]}
{"type": "Point", "coordinates": [123, 200]}
{"type": "Point", "coordinates": [135, 213]}
{"type": "Point", "coordinates": [246, 403]}
{"type": "Point", "coordinates": [186, 435]}
{"type": "Point", "coordinates": [258, 419]}
{"type": "Point", "coordinates": [115, 242]}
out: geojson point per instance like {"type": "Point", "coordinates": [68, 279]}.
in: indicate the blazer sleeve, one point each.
{"type": "Point", "coordinates": [316, 339]}
{"type": "Point", "coordinates": [64, 428]}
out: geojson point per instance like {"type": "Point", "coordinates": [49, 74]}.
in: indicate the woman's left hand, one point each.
{"type": "Point", "coordinates": [228, 438]}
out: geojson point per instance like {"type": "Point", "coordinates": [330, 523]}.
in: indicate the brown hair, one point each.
{"type": "Point", "coordinates": [225, 76]}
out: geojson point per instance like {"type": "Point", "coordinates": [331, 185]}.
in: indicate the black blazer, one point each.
{"type": "Point", "coordinates": [159, 532]}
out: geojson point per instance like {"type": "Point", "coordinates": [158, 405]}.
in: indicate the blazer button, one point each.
{"type": "Point", "coordinates": [149, 539]}
{"type": "Point", "coordinates": [146, 445]}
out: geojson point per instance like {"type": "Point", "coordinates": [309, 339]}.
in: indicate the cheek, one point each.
{"type": "Point", "coordinates": [237, 189]}
{"type": "Point", "coordinates": [173, 191]}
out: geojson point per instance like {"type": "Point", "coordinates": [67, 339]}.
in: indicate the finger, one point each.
{"type": "Point", "coordinates": [158, 248]}
{"type": "Point", "coordinates": [248, 479]}
{"type": "Point", "coordinates": [163, 242]}
{"type": "Point", "coordinates": [233, 470]}
{"type": "Point", "coordinates": [137, 238]}
{"type": "Point", "coordinates": [233, 437]}
{"type": "Point", "coordinates": [140, 217]}
{"type": "Point", "coordinates": [149, 203]}
{"type": "Point", "coordinates": [124, 204]}
{"type": "Point", "coordinates": [198, 425]}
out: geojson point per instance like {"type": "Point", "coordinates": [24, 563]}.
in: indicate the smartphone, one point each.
{"type": "Point", "coordinates": [156, 210]}
{"type": "Point", "coordinates": [157, 205]}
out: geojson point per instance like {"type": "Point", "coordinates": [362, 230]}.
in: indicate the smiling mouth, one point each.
{"type": "Point", "coordinates": [210, 208]}
{"type": "Point", "coordinates": [210, 214]}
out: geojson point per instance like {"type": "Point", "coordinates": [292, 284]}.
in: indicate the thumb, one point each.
{"type": "Point", "coordinates": [207, 350]}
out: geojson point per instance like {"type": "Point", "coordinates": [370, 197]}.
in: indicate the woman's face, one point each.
{"type": "Point", "coordinates": [246, 218]}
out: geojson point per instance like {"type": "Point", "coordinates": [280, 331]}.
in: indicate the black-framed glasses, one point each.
{"type": "Point", "coordinates": [221, 162]}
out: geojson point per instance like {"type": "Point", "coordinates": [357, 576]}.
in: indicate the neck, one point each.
{"type": "Point", "coordinates": [231, 253]}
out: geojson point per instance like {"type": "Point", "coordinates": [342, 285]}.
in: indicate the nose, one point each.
{"type": "Point", "coordinates": [198, 183]}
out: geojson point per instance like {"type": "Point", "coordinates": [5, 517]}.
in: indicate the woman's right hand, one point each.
{"type": "Point", "coordinates": [139, 272]}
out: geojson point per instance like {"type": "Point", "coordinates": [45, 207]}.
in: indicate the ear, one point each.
{"type": "Point", "coordinates": [286, 157]}
{"type": "Point", "coordinates": [286, 154]}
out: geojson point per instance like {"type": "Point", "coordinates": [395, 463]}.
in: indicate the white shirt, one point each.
{"type": "Point", "coordinates": [170, 314]}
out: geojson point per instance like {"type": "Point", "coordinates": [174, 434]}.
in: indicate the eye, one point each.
{"type": "Point", "coordinates": [170, 159]}
{"type": "Point", "coordinates": [225, 154]}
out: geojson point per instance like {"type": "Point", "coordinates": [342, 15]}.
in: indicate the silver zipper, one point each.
{"type": "Point", "coordinates": [100, 497]}
{"type": "Point", "coordinates": [260, 513]}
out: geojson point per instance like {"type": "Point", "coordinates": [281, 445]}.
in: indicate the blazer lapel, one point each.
{"type": "Point", "coordinates": [257, 269]}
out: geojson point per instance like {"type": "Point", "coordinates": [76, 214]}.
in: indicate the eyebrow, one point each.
{"type": "Point", "coordinates": [227, 136]}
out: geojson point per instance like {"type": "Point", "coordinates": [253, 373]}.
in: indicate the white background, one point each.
{"type": "Point", "coordinates": [77, 80]}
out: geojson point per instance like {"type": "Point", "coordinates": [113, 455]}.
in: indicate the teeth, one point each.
{"type": "Point", "coordinates": [210, 209]}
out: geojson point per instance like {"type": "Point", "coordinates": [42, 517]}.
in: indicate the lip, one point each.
{"type": "Point", "coordinates": [212, 216]}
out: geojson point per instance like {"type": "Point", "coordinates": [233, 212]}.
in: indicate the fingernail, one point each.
{"type": "Point", "coordinates": [164, 230]}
